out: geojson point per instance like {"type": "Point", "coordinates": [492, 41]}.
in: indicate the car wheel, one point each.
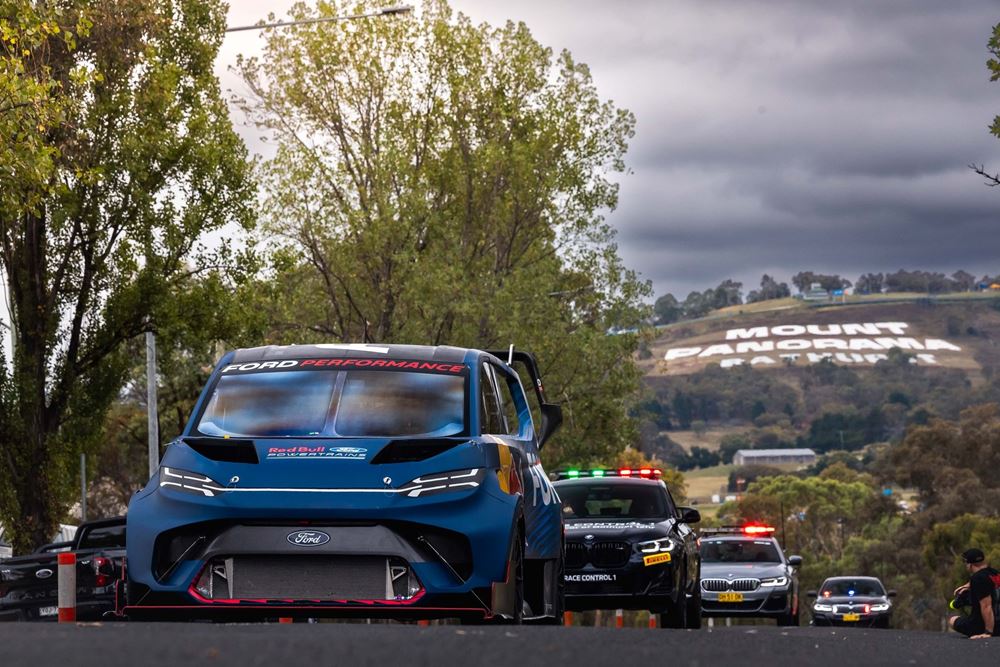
{"type": "Point", "coordinates": [676, 615]}
{"type": "Point", "coordinates": [559, 603]}
{"type": "Point", "coordinates": [788, 620]}
{"type": "Point", "coordinates": [518, 573]}
{"type": "Point", "coordinates": [694, 609]}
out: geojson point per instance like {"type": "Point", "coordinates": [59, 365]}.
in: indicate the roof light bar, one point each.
{"type": "Point", "coordinates": [641, 473]}
{"type": "Point", "coordinates": [752, 529]}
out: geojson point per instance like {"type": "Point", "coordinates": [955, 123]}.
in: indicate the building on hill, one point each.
{"type": "Point", "coordinates": [748, 456]}
{"type": "Point", "coordinates": [6, 551]}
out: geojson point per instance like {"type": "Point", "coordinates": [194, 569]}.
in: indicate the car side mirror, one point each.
{"type": "Point", "coordinates": [795, 561]}
{"type": "Point", "coordinates": [812, 594]}
{"type": "Point", "coordinates": [552, 418]}
{"type": "Point", "coordinates": [689, 515]}
{"type": "Point", "coordinates": [892, 593]}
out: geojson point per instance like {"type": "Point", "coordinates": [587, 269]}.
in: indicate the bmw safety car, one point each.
{"type": "Point", "coordinates": [628, 546]}
{"type": "Point", "coordinates": [744, 573]}
{"type": "Point", "coordinates": [353, 480]}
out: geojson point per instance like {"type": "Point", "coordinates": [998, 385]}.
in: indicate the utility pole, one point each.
{"type": "Point", "coordinates": [83, 487]}
{"type": "Point", "coordinates": [151, 414]}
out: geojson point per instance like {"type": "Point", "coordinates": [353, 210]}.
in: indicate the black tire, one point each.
{"type": "Point", "coordinates": [518, 567]}
{"type": "Point", "coordinates": [676, 616]}
{"type": "Point", "coordinates": [694, 609]}
{"type": "Point", "coordinates": [788, 620]}
{"type": "Point", "coordinates": [559, 604]}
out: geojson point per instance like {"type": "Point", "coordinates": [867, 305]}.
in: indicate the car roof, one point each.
{"type": "Point", "coordinates": [417, 352]}
{"type": "Point", "coordinates": [845, 577]}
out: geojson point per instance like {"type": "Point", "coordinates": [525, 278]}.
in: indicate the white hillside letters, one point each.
{"type": "Point", "coordinates": [852, 343]}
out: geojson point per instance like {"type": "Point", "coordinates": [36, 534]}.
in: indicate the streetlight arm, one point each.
{"type": "Point", "coordinates": [385, 11]}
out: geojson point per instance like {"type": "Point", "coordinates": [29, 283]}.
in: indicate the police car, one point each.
{"type": "Point", "coordinates": [745, 573]}
{"type": "Point", "coordinates": [628, 546]}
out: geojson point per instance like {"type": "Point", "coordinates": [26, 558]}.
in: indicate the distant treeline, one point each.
{"type": "Point", "coordinates": [668, 309]}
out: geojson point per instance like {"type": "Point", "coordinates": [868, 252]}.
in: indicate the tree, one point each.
{"type": "Point", "coordinates": [964, 281]}
{"type": "Point", "coordinates": [993, 65]}
{"type": "Point", "coordinates": [130, 159]}
{"type": "Point", "coordinates": [869, 283]}
{"type": "Point", "coordinates": [803, 280]}
{"type": "Point", "coordinates": [440, 182]}
{"type": "Point", "coordinates": [769, 289]}
{"type": "Point", "coordinates": [667, 309]}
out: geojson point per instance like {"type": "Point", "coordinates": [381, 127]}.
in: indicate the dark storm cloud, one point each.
{"type": "Point", "coordinates": [782, 135]}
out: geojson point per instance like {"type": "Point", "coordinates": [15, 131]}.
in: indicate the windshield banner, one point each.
{"type": "Point", "coordinates": [353, 364]}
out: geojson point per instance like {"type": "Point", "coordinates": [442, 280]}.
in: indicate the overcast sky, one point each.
{"type": "Point", "coordinates": [778, 135]}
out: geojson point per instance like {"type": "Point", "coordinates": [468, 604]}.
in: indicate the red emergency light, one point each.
{"type": "Point", "coordinates": [758, 530]}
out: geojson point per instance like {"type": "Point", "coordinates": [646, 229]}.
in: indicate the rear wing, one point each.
{"type": "Point", "coordinates": [551, 412]}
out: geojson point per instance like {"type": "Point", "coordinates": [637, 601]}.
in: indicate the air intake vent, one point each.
{"type": "Point", "coordinates": [417, 449]}
{"type": "Point", "coordinates": [232, 450]}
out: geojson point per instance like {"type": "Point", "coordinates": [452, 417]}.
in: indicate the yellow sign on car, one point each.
{"type": "Point", "coordinates": [852, 617]}
{"type": "Point", "coordinates": [655, 559]}
{"type": "Point", "coordinates": [730, 597]}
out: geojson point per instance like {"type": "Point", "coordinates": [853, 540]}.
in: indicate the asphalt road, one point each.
{"type": "Point", "coordinates": [358, 645]}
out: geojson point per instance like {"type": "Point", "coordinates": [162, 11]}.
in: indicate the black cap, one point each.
{"type": "Point", "coordinates": [973, 556]}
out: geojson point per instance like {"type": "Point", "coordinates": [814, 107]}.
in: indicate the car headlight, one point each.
{"type": "Point", "coordinates": [819, 606]}
{"type": "Point", "coordinates": [774, 581]}
{"type": "Point", "coordinates": [657, 546]}
{"type": "Point", "coordinates": [455, 480]}
{"type": "Point", "coordinates": [881, 606]}
{"type": "Point", "coordinates": [189, 482]}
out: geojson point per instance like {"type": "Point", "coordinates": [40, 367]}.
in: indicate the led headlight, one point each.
{"type": "Point", "coordinates": [455, 480]}
{"type": "Point", "coordinates": [189, 482]}
{"type": "Point", "coordinates": [657, 546]}
{"type": "Point", "coordinates": [881, 606]}
{"type": "Point", "coordinates": [819, 606]}
{"type": "Point", "coordinates": [774, 581]}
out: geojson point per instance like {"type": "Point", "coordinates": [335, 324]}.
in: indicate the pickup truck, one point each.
{"type": "Point", "coordinates": [29, 584]}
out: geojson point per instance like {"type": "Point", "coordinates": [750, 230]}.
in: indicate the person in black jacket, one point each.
{"type": "Point", "coordinates": [983, 580]}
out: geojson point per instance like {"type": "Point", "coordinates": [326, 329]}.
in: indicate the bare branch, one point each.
{"type": "Point", "coordinates": [992, 180]}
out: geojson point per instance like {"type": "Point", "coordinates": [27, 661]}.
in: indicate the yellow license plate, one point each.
{"type": "Point", "coordinates": [852, 617]}
{"type": "Point", "coordinates": [655, 559]}
{"type": "Point", "coordinates": [730, 597]}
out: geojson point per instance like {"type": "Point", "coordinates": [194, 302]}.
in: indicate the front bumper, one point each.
{"type": "Point", "coordinates": [763, 602]}
{"type": "Point", "coordinates": [633, 585]}
{"type": "Point", "coordinates": [455, 548]}
{"type": "Point", "coordinates": [869, 620]}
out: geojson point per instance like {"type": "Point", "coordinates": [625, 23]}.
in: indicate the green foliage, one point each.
{"type": "Point", "coordinates": [441, 182]}
{"type": "Point", "coordinates": [993, 64]}
{"type": "Point", "coordinates": [116, 155]}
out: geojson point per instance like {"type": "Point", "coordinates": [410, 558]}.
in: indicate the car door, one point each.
{"type": "Point", "coordinates": [541, 502]}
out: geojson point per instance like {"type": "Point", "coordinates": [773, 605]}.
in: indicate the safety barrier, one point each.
{"type": "Point", "coordinates": [67, 587]}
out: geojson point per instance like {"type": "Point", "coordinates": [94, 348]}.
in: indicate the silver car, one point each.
{"type": "Point", "coordinates": [744, 573]}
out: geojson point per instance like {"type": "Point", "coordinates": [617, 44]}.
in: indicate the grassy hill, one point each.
{"type": "Point", "coordinates": [967, 321]}
{"type": "Point", "coordinates": [828, 376]}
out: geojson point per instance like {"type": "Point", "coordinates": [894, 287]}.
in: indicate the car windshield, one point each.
{"type": "Point", "coordinates": [739, 551]}
{"type": "Point", "coordinates": [614, 501]}
{"type": "Point", "coordinates": [104, 537]}
{"type": "Point", "coordinates": [330, 403]}
{"type": "Point", "coordinates": [852, 587]}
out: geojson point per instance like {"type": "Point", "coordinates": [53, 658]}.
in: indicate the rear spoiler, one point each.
{"type": "Point", "coordinates": [551, 412]}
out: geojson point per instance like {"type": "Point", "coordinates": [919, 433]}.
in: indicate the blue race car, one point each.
{"type": "Point", "coordinates": [353, 481]}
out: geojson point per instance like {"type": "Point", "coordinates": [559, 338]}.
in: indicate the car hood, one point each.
{"type": "Point", "coordinates": [579, 529]}
{"type": "Point", "coordinates": [741, 570]}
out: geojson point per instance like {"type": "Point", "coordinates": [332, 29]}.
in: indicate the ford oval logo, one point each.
{"type": "Point", "coordinates": [308, 538]}
{"type": "Point", "coordinates": [44, 573]}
